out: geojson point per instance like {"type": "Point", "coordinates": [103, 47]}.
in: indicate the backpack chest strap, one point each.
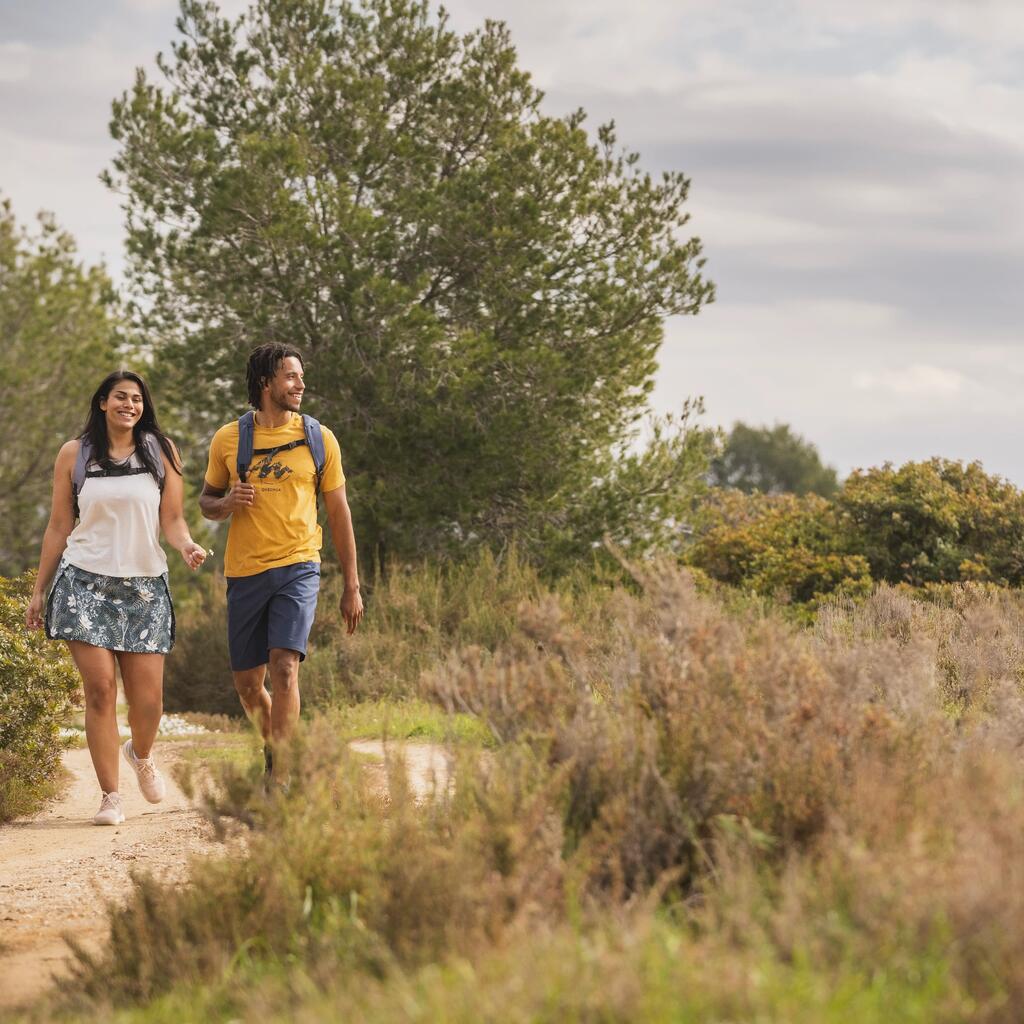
{"type": "Point", "coordinates": [279, 448]}
{"type": "Point", "coordinates": [314, 438]}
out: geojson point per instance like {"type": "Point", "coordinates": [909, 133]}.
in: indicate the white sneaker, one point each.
{"type": "Point", "coordinates": [110, 812]}
{"type": "Point", "coordinates": [151, 782]}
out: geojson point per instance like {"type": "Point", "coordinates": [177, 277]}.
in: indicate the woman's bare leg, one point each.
{"type": "Point", "coordinates": [96, 667]}
{"type": "Point", "coordinates": [143, 677]}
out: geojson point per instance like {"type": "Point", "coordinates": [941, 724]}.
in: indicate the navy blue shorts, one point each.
{"type": "Point", "coordinates": [274, 608]}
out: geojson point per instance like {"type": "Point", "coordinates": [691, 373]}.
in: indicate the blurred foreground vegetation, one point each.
{"type": "Point", "coordinates": [680, 805]}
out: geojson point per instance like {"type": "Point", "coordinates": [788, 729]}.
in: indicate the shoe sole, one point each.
{"type": "Point", "coordinates": [103, 823]}
{"type": "Point", "coordinates": [127, 757]}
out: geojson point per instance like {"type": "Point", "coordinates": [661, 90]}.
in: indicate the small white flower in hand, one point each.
{"type": "Point", "coordinates": [194, 555]}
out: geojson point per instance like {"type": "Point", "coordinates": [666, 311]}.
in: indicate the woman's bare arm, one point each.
{"type": "Point", "coordinates": [58, 529]}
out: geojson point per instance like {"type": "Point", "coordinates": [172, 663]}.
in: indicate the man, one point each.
{"type": "Point", "coordinates": [272, 562]}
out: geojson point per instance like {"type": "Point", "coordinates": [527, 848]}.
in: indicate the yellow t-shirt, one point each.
{"type": "Point", "coordinates": [280, 527]}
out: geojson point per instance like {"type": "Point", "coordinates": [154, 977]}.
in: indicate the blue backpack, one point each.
{"type": "Point", "coordinates": [314, 440]}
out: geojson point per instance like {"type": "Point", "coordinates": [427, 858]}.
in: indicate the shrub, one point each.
{"type": "Point", "coordinates": [687, 714]}
{"type": "Point", "coordinates": [415, 617]}
{"type": "Point", "coordinates": [836, 805]}
{"type": "Point", "coordinates": [924, 524]}
{"type": "Point", "coordinates": [934, 522]}
{"type": "Point", "coordinates": [780, 546]}
{"type": "Point", "coordinates": [335, 875]}
{"type": "Point", "coordinates": [197, 674]}
{"type": "Point", "coordinates": [39, 687]}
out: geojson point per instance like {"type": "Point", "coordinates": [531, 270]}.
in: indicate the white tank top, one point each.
{"type": "Point", "coordinates": [118, 531]}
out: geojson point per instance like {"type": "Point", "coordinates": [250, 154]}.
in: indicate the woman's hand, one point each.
{"type": "Point", "coordinates": [194, 555]}
{"type": "Point", "coordinates": [34, 612]}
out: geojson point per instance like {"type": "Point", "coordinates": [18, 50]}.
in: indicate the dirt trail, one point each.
{"type": "Point", "coordinates": [58, 870]}
{"type": "Point", "coordinates": [427, 764]}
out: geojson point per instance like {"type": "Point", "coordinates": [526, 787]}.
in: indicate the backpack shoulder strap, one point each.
{"type": "Point", "coordinates": [78, 473]}
{"type": "Point", "coordinates": [246, 429]}
{"type": "Point", "coordinates": [81, 464]}
{"type": "Point", "coordinates": [315, 440]}
{"type": "Point", "coordinates": [157, 453]}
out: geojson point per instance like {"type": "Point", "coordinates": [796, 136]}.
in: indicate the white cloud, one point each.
{"type": "Point", "coordinates": [954, 91]}
{"type": "Point", "coordinates": [858, 379]}
{"type": "Point", "coordinates": [917, 381]}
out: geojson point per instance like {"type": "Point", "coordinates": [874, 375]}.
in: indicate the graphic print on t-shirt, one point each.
{"type": "Point", "coordinates": [281, 526]}
{"type": "Point", "coordinates": [262, 467]}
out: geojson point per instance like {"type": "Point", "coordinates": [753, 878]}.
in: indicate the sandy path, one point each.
{"type": "Point", "coordinates": [427, 764]}
{"type": "Point", "coordinates": [58, 870]}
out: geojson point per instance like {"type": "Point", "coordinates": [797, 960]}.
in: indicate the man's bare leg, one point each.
{"type": "Point", "coordinates": [254, 698]}
{"type": "Point", "coordinates": [285, 704]}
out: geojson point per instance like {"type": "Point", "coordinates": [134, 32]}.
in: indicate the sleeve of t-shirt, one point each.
{"type": "Point", "coordinates": [217, 474]}
{"type": "Point", "coordinates": [333, 475]}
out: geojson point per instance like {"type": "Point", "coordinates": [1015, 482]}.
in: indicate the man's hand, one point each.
{"type": "Point", "coordinates": [218, 506]}
{"type": "Point", "coordinates": [352, 608]}
{"type": "Point", "coordinates": [240, 496]}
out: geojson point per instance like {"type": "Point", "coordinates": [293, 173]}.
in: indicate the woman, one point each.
{"type": "Point", "coordinates": [122, 479]}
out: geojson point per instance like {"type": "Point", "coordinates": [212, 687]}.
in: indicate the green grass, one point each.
{"type": "Point", "coordinates": [406, 719]}
{"type": "Point", "coordinates": [387, 718]}
{"type": "Point", "coordinates": [19, 798]}
{"type": "Point", "coordinates": [211, 749]}
{"type": "Point", "coordinates": [648, 971]}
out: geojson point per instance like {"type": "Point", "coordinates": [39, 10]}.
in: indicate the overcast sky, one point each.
{"type": "Point", "coordinates": [856, 177]}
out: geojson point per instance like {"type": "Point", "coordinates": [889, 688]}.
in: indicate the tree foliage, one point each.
{"type": "Point", "coordinates": [58, 321]}
{"type": "Point", "coordinates": [926, 523]}
{"type": "Point", "coordinates": [479, 286]}
{"type": "Point", "coordinates": [936, 522]}
{"type": "Point", "coordinates": [773, 460]}
{"type": "Point", "coordinates": [785, 546]}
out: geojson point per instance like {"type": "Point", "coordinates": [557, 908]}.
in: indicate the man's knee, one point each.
{"type": "Point", "coordinates": [284, 668]}
{"type": "Point", "coordinates": [248, 685]}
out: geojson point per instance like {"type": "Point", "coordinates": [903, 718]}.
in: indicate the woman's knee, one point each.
{"type": "Point", "coordinates": [101, 696]}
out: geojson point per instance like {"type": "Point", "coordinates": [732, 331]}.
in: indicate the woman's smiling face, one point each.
{"type": "Point", "coordinates": [123, 405]}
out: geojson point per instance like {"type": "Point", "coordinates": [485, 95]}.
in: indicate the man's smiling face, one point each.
{"type": "Point", "coordinates": [286, 387]}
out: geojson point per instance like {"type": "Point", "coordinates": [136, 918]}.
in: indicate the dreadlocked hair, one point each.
{"type": "Point", "coordinates": [263, 364]}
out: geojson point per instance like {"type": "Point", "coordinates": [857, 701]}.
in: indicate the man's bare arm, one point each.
{"type": "Point", "coordinates": [339, 517]}
{"type": "Point", "coordinates": [216, 504]}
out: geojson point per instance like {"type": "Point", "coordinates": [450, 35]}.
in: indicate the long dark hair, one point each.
{"type": "Point", "coordinates": [95, 429]}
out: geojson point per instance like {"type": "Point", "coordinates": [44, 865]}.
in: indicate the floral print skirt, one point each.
{"type": "Point", "coordinates": [132, 613]}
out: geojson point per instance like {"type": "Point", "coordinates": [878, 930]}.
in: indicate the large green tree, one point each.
{"type": "Point", "coordinates": [479, 286]}
{"type": "Point", "coordinates": [58, 324]}
{"type": "Point", "coordinates": [772, 460]}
